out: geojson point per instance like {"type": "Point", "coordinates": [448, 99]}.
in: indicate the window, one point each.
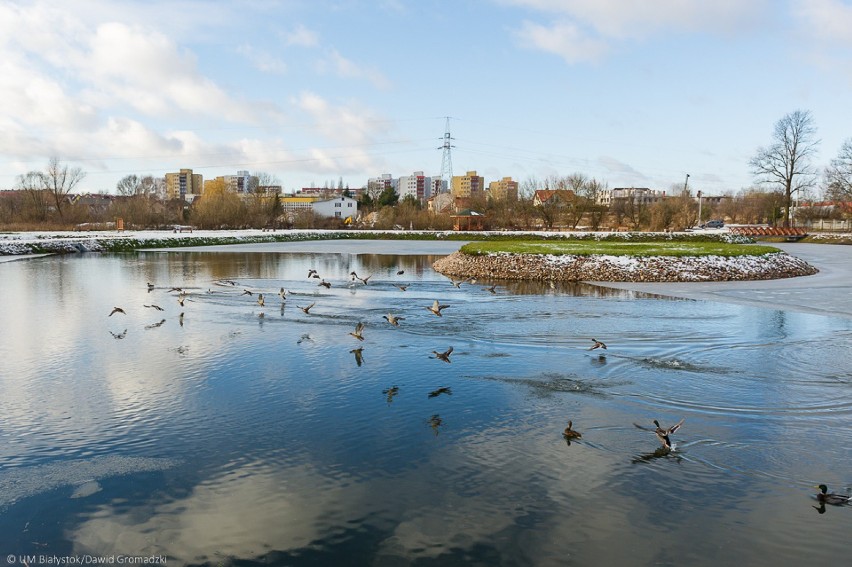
{"type": "Point", "coordinates": [337, 214]}
{"type": "Point", "coordinates": [337, 205]}
{"type": "Point", "coordinates": [349, 205]}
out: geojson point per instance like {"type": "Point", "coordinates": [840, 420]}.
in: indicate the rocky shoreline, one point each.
{"type": "Point", "coordinates": [623, 268]}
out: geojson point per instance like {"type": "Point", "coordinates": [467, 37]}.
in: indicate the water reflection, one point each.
{"type": "Point", "coordinates": [249, 439]}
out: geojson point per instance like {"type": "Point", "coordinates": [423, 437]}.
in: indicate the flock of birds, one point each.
{"type": "Point", "coordinates": [663, 434]}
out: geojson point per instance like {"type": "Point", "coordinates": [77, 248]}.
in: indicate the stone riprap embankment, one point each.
{"type": "Point", "coordinates": [623, 268]}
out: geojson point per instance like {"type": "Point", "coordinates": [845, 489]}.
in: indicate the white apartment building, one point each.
{"type": "Point", "coordinates": [339, 207]}
{"type": "Point", "coordinates": [418, 185]}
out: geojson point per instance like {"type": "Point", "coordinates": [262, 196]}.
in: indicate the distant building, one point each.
{"type": "Point", "coordinates": [504, 190]}
{"type": "Point", "coordinates": [339, 207]}
{"type": "Point", "coordinates": [184, 185]}
{"type": "Point", "coordinates": [639, 195]}
{"type": "Point", "coordinates": [441, 203]}
{"type": "Point", "coordinates": [468, 185]}
{"type": "Point", "coordinates": [295, 203]}
{"type": "Point", "coordinates": [552, 197]}
{"type": "Point", "coordinates": [418, 185]}
{"type": "Point", "coordinates": [378, 184]}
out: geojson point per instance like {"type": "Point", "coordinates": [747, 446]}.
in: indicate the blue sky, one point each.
{"type": "Point", "coordinates": [631, 92]}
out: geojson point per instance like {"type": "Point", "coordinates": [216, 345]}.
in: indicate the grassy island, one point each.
{"type": "Point", "coordinates": [615, 248]}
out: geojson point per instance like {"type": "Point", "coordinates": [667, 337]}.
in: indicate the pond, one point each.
{"type": "Point", "coordinates": [224, 432]}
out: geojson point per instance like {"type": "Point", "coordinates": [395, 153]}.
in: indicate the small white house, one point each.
{"type": "Point", "coordinates": [339, 207]}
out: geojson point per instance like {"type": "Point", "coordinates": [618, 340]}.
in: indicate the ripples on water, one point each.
{"type": "Point", "coordinates": [227, 436]}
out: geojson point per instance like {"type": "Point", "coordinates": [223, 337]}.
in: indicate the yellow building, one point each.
{"type": "Point", "coordinates": [184, 185]}
{"type": "Point", "coordinates": [504, 190]}
{"type": "Point", "coordinates": [466, 186]}
{"type": "Point", "coordinates": [294, 204]}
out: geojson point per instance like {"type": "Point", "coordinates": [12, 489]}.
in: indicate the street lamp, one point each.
{"type": "Point", "coordinates": [699, 207]}
{"type": "Point", "coordinates": [685, 183]}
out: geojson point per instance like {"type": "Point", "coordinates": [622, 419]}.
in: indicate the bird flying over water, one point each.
{"type": "Point", "coordinates": [441, 390]}
{"type": "Point", "coordinates": [402, 287]}
{"type": "Point", "coordinates": [152, 306]}
{"type": "Point", "coordinates": [492, 289]}
{"type": "Point", "coordinates": [357, 333]}
{"type": "Point", "coordinates": [445, 356]}
{"type": "Point", "coordinates": [120, 335]}
{"type": "Point", "coordinates": [311, 273]}
{"type": "Point", "coordinates": [150, 286]}
{"type": "Point", "coordinates": [663, 434]}
{"type": "Point", "coordinates": [436, 308]}
{"type": "Point", "coordinates": [391, 392]}
{"type": "Point", "coordinates": [393, 320]}
{"type": "Point", "coordinates": [116, 310]}
{"type": "Point", "coordinates": [325, 284]}
{"type": "Point", "coordinates": [283, 293]}
{"type": "Point", "coordinates": [826, 497]}
{"type": "Point", "coordinates": [155, 325]}
{"type": "Point", "coordinates": [246, 292]}
{"type": "Point", "coordinates": [260, 300]}
{"type": "Point", "coordinates": [598, 344]}
{"type": "Point", "coordinates": [308, 308]}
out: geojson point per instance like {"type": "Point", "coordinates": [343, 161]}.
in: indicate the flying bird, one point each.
{"type": "Point", "coordinates": [120, 335]}
{"type": "Point", "coordinates": [402, 287]}
{"type": "Point", "coordinates": [570, 433]}
{"type": "Point", "coordinates": [175, 289]}
{"type": "Point", "coordinates": [399, 273]}
{"type": "Point", "coordinates": [325, 284]}
{"type": "Point", "coordinates": [826, 497]}
{"type": "Point", "coordinates": [436, 308]}
{"type": "Point", "coordinates": [260, 300]}
{"type": "Point", "coordinates": [357, 333]}
{"type": "Point", "coordinates": [308, 308]}
{"type": "Point", "coordinates": [246, 292]}
{"type": "Point", "coordinates": [445, 356]}
{"type": "Point", "coordinates": [116, 310]}
{"type": "Point", "coordinates": [663, 434]}
{"type": "Point", "coordinates": [152, 306]}
{"type": "Point", "coordinates": [492, 289]}
{"type": "Point", "coordinates": [391, 392]}
{"type": "Point", "coordinates": [150, 286]}
{"type": "Point", "coordinates": [181, 299]}
{"type": "Point", "coordinates": [393, 320]}
{"type": "Point", "coordinates": [155, 325]}
{"type": "Point", "coordinates": [283, 293]}
{"type": "Point", "coordinates": [598, 344]}
{"type": "Point", "coordinates": [359, 355]}
{"type": "Point", "coordinates": [441, 390]}
{"type": "Point", "coordinates": [311, 273]}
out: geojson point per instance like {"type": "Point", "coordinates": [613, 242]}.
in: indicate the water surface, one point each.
{"type": "Point", "coordinates": [241, 434]}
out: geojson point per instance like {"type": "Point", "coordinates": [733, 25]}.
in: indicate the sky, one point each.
{"type": "Point", "coordinates": [634, 93]}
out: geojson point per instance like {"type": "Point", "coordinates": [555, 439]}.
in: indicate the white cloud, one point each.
{"type": "Point", "coordinates": [302, 37]}
{"type": "Point", "coordinates": [262, 61]}
{"type": "Point", "coordinates": [825, 19]}
{"type": "Point", "coordinates": [564, 39]}
{"type": "Point", "coordinates": [584, 30]}
{"type": "Point", "coordinates": [346, 68]}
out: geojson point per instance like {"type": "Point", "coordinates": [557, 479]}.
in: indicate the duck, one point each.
{"type": "Point", "coordinates": [325, 284]}
{"type": "Point", "coordinates": [401, 287]}
{"type": "Point", "coordinates": [154, 306]}
{"type": "Point", "coordinates": [663, 434]}
{"type": "Point", "coordinates": [116, 310]}
{"type": "Point", "coordinates": [246, 292]}
{"type": "Point", "coordinates": [260, 300]}
{"type": "Point", "coordinates": [312, 272]}
{"type": "Point", "coordinates": [308, 308]}
{"type": "Point", "coordinates": [393, 320]}
{"type": "Point", "coordinates": [441, 390]}
{"type": "Point", "coordinates": [598, 344]}
{"type": "Point", "coordinates": [283, 293]}
{"type": "Point", "coordinates": [826, 497]}
{"type": "Point", "coordinates": [357, 333]}
{"type": "Point", "coordinates": [570, 433]}
{"type": "Point", "coordinates": [436, 308]}
{"type": "Point", "coordinates": [391, 392]}
{"type": "Point", "coordinates": [400, 272]}
{"type": "Point", "coordinates": [492, 289]}
{"type": "Point", "coordinates": [445, 356]}
{"type": "Point", "coordinates": [150, 286]}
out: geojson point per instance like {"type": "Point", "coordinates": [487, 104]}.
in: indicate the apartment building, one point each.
{"type": "Point", "coordinates": [418, 185]}
{"type": "Point", "coordinates": [504, 190]}
{"type": "Point", "coordinates": [468, 185]}
{"type": "Point", "coordinates": [184, 185]}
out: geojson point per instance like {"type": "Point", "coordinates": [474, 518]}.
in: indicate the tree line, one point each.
{"type": "Point", "coordinates": [783, 170]}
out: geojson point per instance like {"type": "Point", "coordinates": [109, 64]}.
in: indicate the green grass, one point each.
{"type": "Point", "coordinates": [588, 248]}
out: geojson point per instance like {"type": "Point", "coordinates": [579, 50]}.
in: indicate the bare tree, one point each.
{"type": "Point", "coordinates": [128, 185]}
{"type": "Point", "coordinates": [60, 180]}
{"type": "Point", "coordinates": [786, 162]}
{"type": "Point", "coordinates": [838, 175]}
{"type": "Point", "coordinates": [32, 183]}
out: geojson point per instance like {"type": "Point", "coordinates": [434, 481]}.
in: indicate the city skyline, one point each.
{"type": "Point", "coordinates": [630, 93]}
